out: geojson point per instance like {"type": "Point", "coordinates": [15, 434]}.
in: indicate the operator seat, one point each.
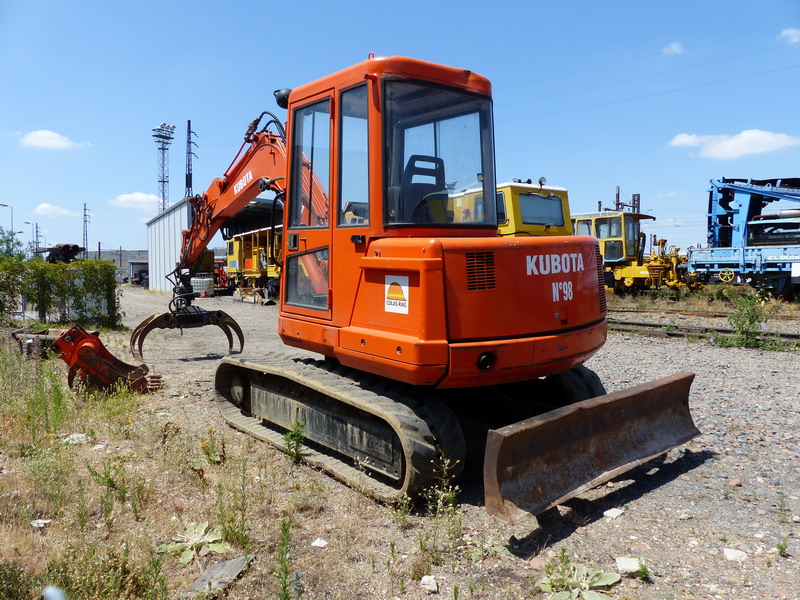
{"type": "Point", "coordinates": [430, 170]}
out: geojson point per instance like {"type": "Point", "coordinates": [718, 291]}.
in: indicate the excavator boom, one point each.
{"type": "Point", "coordinates": [259, 166]}
{"type": "Point", "coordinates": [258, 169]}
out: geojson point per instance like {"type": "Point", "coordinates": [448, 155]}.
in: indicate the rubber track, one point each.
{"type": "Point", "coordinates": [428, 430]}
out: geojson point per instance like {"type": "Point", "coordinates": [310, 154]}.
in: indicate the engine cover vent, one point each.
{"type": "Point", "coordinates": [480, 271]}
{"type": "Point", "coordinates": [601, 279]}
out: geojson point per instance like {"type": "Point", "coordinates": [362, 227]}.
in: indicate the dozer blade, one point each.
{"type": "Point", "coordinates": [543, 461]}
{"type": "Point", "coordinates": [186, 318]}
{"type": "Point", "coordinates": [96, 367]}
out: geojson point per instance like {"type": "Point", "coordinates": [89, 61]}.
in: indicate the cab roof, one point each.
{"type": "Point", "coordinates": [395, 66]}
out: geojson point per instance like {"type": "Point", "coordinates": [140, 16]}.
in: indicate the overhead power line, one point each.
{"type": "Point", "coordinates": [736, 34]}
{"type": "Point", "coordinates": [651, 95]}
{"type": "Point", "coordinates": [640, 77]}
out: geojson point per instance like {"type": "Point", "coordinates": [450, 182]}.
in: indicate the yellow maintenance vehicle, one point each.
{"type": "Point", "coordinates": [627, 266]}
{"type": "Point", "coordinates": [532, 209]}
{"type": "Point", "coordinates": [524, 208]}
{"type": "Point", "coordinates": [251, 266]}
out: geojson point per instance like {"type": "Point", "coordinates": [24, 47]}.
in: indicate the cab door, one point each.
{"type": "Point", "coordinates": [307, 243]}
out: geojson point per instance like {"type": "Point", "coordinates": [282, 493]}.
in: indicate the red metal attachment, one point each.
{"type": "Point", "coordinates": [96, 367]}
{"type": "Point", "coordinates": [37, 343]}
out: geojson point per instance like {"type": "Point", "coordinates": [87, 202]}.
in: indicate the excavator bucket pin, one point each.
{"type": "Point", "coordinates": [543, 461]}
{"type": "Point", "coordinates": [187, 318]}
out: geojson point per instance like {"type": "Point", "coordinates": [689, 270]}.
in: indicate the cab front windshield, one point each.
{"type": "Point", "coordinates": [439, 156]}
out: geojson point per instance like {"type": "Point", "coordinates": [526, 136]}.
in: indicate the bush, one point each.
{"type": "Point", "coordinates": [83, 291]}
{"type": "Point", "coordinates": [748, 319]}
{"type": "Point", "coordinates": [11, 272]}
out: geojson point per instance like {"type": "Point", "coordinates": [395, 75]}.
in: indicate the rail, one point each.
{"type": "Point", "coordinates": [684, 331]}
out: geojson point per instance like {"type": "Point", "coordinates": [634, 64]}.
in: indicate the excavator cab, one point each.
{"type": "Point", "coordinates": [421, 288]}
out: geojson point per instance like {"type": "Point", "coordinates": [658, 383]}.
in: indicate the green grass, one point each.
{"type": "Point", "coordinates": [53, 482]}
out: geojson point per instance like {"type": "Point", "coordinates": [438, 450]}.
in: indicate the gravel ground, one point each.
{"type": "Point", "coordinates": [720, 518]}
{"type": "Point", "coordinates": [735, 488]}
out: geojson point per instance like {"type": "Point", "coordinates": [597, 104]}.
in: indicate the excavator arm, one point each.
{"type": "Point", "coordinates": [259, 166]}
{"type": "Point", "coordinates": [259, 169]}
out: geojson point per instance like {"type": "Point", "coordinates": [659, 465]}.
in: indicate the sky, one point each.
{"type": "Point", "coordinates": [657, 98]}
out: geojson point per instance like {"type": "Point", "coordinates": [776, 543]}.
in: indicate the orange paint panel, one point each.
{"type": "Point", "coordinates": [401, 289]}
{"type": "Point", "coordinates": [374, 294]}
{"type": "Point", "coordinates": [385, 367]}
{"type": "Point", "coordinates": [519, 360]}
{"type": "Point", "coordinates": [397, 66]}
{"type": "Point", "coordinates": [308, 335]}
{"type": "Point", "coordinates": [401, 264]}
{"type": "Point", "coordinates": [393, 346]}
{"type": "Point", "coordinates": [503, 288]}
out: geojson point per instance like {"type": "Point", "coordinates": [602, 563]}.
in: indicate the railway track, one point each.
{"type": "Point", "coordinates": [689, 313]}
{"type": "Point", "coordinates": [684, 331]}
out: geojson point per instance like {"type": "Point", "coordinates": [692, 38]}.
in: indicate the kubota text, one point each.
{"type": "Point", "coordinates": [545, 264]}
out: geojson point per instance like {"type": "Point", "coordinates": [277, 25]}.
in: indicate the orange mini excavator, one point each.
{"type": "Point", "coordinates": [434, 329]}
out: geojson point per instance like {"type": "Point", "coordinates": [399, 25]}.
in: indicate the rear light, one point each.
{"type": "Point", "coordinates": [486, 361]}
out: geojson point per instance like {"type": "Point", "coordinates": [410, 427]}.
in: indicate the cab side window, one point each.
{"type": "Point", "coordinates": [311, 165]}
{"type": "Point", "coordinates": [354, 158]}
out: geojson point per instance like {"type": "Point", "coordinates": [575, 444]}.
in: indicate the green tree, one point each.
{"type": "Point", "coordinates": [10, 246]}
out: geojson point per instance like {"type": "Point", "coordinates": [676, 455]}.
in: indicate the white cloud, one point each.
{"type": "Point", "coordinates": [137, 200]}
{"type": "Point", "coordinates": [730, 147]}
{"type": "Point", "coordinates": [791, 35]}
{"type": "Point", "coordinates": [50, 210]}
{"type": "Point", "coordinates": [44, 138]}
{"type": "Point", "coordinates": [665, 195]}
{"type": "Point", "coordinates": [673, 48]}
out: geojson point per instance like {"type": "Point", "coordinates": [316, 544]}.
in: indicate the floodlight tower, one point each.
{"type": "Point", "coordinates": [163, 135]}
{"type": "Point", "coordinates": [189, 154]}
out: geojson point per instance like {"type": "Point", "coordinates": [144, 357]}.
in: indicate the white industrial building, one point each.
{"type": "Point", "coordinates": [164, 237]}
